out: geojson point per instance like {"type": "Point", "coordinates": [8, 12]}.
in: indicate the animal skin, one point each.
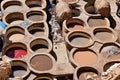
{"type": "Point", "coordinates": [5, 69]}
{"type": "Point", "coordinates": [102, 7]}
{"type": "Point", "coordinates": [63, 13]}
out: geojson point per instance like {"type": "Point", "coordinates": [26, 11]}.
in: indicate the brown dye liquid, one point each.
{"type": "Point", "coordinates": [18, 71]}
{"type": "Point", "coordinates": [69, 0]}
{"type": "Point", "coordinates": [41, 63]}
{"type": "Point", "coordinates": [85, 57]}
{"type": "Point", "coordinates": [80, 41]}
{"type": "Point", "coordinates": [96, 22]}
{"type": "Point", "coordinates": [85, 74]}
{"type": "Point", "coordinates": [13, 8]}
{"type": "Point", "coordinates": [36, 17]}
{"type": "Point", "coordinates": [76, 27]}
{"type": "Point", "coordinates": [17, 37]}
{"type": "Point", "coordinates": [104, 36]}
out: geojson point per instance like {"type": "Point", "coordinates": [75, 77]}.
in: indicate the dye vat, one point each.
{"type": "Point", "coordinates": [85, 57]}
{"type": "Point", "coordinates": [36, 15]}
{"type": "Point", "coordinates": [40, 45]}
{"type": "Point", "coordinates": [86, 73]}
{"type": "Point", "coordinates": [74, 24]}
{"type": "Point", "coordinates": [41, 62]}
{"type": "Point", "coordinates": [38, 29]}
{"type": "Point", "coordinates": [111, 51]}
{"type": "Point", "coordinates": [97, 21]}
{"type": "Point", "coordinates": [12, 6]}
{"type": "Point", "coordinates": [13, 32]}
{"type": "Point", "coordinates": [36, 3]}
{"type": "Point", "coordinates": [110, 69]}
{"type": "Point", "coordinates": [79, 39]}
{"type": "Point", "coordinates": [15, 50]}
{"type": "Point", "coordinates": [104, 34]}
{"type": "Point", "coordinates": [19, 69]}
{"type": "Point", "coordinates": [14, 18]}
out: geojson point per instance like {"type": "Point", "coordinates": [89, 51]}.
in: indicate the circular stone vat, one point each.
{"type": "Point", "coordinates": [15, 50]}
{"type": "Point", "coordinates": [36, 15]}
{"type": "Point", "coordinates": [14, 32]}
{"type": "Point", "coordinates": [104, 34]}
{"type": "Point", "coordinates": [79, 39]}
{"type": "Point", "coordinates": [36, 3]}
{"type": "Point", "coordinates": [41, 62]}
{"type": "Point", "coordinates": [19, 69]}
{"type": "Point", "coordinates": [11, 6]}
{"type": "Point", "coordinates": [109, 64]}
{"type": "Point", "coordinates": [85, 57]}
{"type": "Point", "coordinates": [97, 21]}
{"type": "Point", "coordinates": [40, 45]}
{"type": "Point", "coordinates": [74, 24]}
{"type": "Point", "coordinates": [86, 73]}
{"type": "Point", "coordinates": [14, 18]}
{"type": "Point", "coordinates": [110, 50]}
{"type": "Point", "coordinates": [38, 29]}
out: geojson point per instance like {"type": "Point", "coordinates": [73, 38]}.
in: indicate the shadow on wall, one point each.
{"type": "Point", "coordinates": [112, 22]}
